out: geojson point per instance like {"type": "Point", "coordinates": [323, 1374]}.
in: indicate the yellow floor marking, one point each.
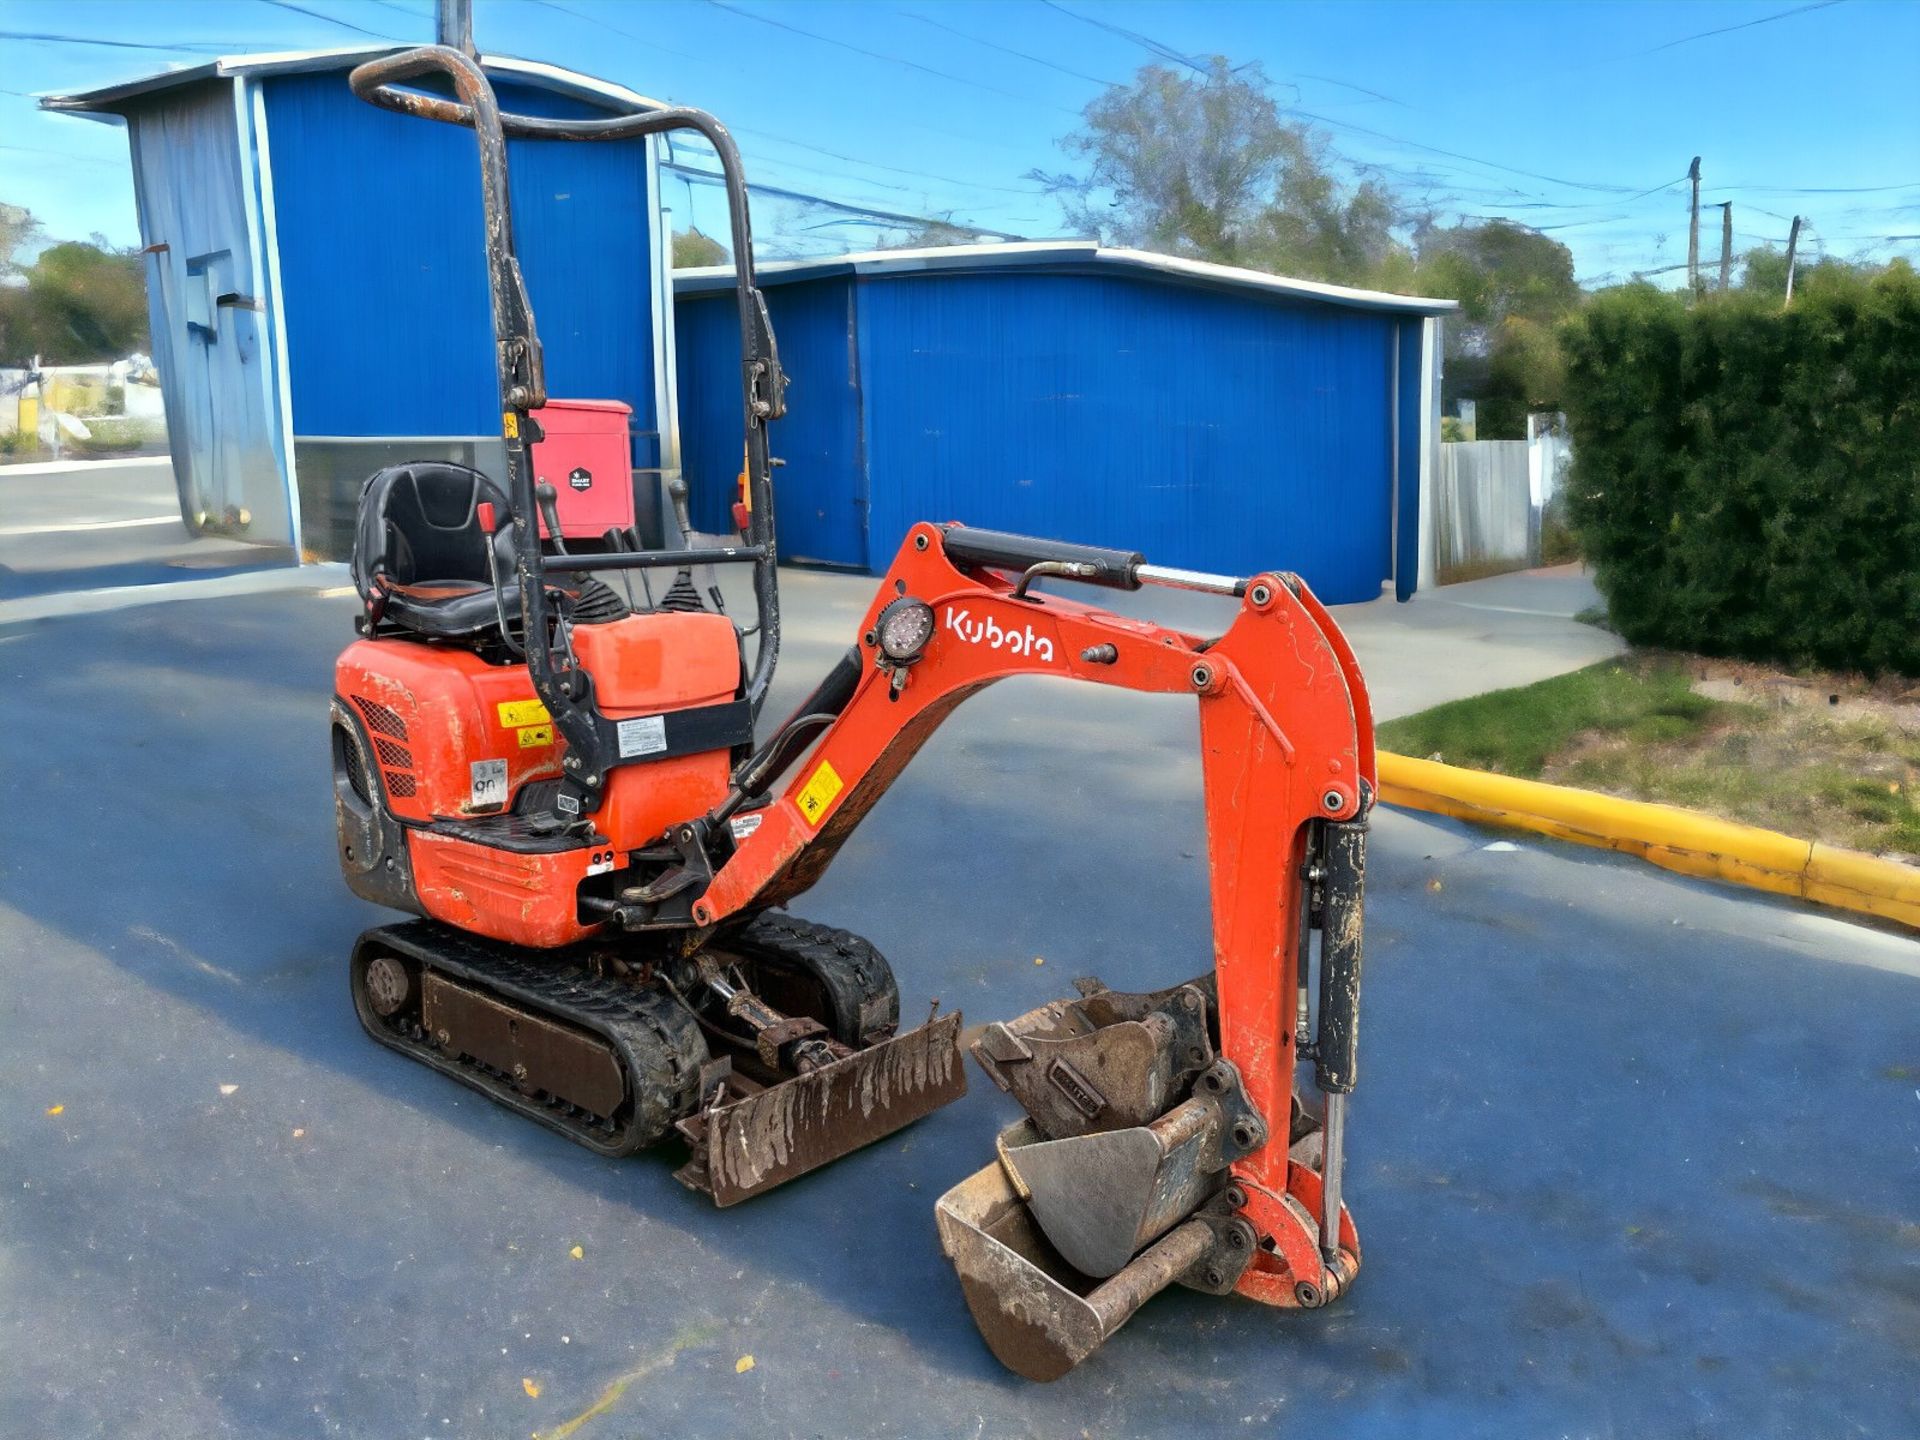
{"type": "Point", "coordinates": [610, 1396]}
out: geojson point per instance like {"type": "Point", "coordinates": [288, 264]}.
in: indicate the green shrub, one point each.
{"type": "Point", "coordinates": [1746, 480]}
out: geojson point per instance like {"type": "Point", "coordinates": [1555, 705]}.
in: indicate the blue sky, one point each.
{"type": "Point", "coordinates": [1576, 117]}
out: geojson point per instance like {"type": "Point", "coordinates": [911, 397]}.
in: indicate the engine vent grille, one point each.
{"type": "Point", "coordinates": [399, 784]}
{"type": "Point", "coordinates": [398, 756]}
{"type": "Point", "coordinates": [380, 719]}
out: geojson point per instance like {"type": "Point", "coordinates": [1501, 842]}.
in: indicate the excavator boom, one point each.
{"type": "Point", "coordinates": [1162, 1128]}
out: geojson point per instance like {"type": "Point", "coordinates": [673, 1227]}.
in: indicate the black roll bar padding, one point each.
{"type": "Point", "coordinates": [520, 365]}
{"type": "Point", "coordinates": [997, 550]}
{"type": "Point", "coordinates": [657, 559]}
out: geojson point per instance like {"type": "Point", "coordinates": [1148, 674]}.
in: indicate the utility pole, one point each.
{"type": "Point", "coordinates": [1793, 245]}
{"type": "Point", "coordinates": [454, 26]}
{"type": "Point", "coordinates": [1693, 231]}
{"type": "Point", "coordinates": [1726, 243]}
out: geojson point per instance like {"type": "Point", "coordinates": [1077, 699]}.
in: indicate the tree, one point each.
{"type": "Point", "coordinates": [1763, 271]}
{"type": "Point", "coordinates": [83, 302]}
{"type": "Point", "coordinates": [1208, 166]}
{"type": "Point", "coordinates": [1497, 269]}
{"type": "Point", "coordinates": [1514, 286]}
{"type": "Point", "coordinates": [693, 248]}
{"type": "Point", "coordinates": [18, 230]}
{"type": "Point", "coordinates": [1182, 164]}
{"type": "Point", "coordinates": [1321, 229]}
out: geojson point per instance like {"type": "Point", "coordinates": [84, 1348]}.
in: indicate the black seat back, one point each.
{"type": "Point", "coordinates": [419, 524]}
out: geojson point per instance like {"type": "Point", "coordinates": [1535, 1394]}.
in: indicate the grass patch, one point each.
{"type": "Point", "coordinates": [1515, 732]}
{"type": "Point", "coordinates": [1637, 727]}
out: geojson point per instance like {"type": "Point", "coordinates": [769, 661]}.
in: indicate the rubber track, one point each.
{"type": "Point", "coordinates": [828, 952]}
{"type": "Point", "coordinates": [659, 1045]}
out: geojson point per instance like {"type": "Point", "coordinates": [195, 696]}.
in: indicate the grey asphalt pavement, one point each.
{"type": "Point", "coordinates": [94, 524]}
{"type": "Point", "coordinates": [1631, 1155]}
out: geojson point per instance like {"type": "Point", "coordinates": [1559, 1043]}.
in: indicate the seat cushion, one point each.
{"type": "Point", "coordinates": [450, 609]}
{"type": "Point", "coordinates": [420, 551]}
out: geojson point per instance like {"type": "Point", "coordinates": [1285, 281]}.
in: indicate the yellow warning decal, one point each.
{"type": "Point", "coordinates": [515, 713]}
{"type": "Point", "coordinates": [509, 425]}
{"type": "Point", "coordinates": [819, 792]}
{"type": "Point", "coordinates": [532, 735]}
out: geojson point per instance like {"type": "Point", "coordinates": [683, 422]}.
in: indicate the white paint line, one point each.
{"type": "Point", "coordinates": [1508, 609]}
{"type": "Point", "coordinates": [74, 525]}
{"type": "Point", "coordinates": [82, 467]}
{"type": "Point", "coordinates": [120, 597]}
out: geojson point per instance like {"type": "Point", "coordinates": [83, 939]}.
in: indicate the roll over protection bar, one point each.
{"type": "Point", "coordinates": [567, 692]}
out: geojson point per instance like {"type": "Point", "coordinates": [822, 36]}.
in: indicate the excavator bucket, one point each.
{"type": "Point", "coordinates": [1115, 1186]}
{"type": "Point", "coordinates": [755, 1137]}
{"type": "Point", "coordinates": [1039, 1315]}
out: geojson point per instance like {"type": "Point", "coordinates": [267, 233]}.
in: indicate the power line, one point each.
{"type": "Point", "coordinates": [714, 177]}
{"type": "Point", "coordinates": [646, 40]}
{"type": "Point", "coordinates": [1008, 49]}
{"type": "Point", "coordinates": [45, 39]}
{"type": "Point", "coordinates": [1823, 189]}
{"type": "Point", "coordinates": [875, 54]}
{"type": "Point", "coordinates": [329, 19]}
{"type": "Point", "coordinates": [1728, 29]}
{"type": "Point", "coordinates": [59, 154]}
{"type": "Point", "coordinates": [1165, 52]}
{"type": "Point", "coordinates": [1349, 85]}
{"type": "Point", "coordinates": [1470, 159]}
{"type": "Point", "coordinates": [775, 136]}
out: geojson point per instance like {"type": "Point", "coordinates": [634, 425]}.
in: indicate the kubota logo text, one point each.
{"type": "Point", "coordinates": [992, 634]}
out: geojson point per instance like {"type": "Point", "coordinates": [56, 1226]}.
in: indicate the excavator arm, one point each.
{"type": "Point", "coordinates": [1235, 1185]}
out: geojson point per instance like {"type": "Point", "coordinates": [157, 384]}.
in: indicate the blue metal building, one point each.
{"type": "Point", "coordinates": [318, 289]}
{"type": "Point", "coordinates": [1214, 418]}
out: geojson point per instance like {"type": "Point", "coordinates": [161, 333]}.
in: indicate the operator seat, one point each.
{"type": "Point", "coordinates": [420, 551]}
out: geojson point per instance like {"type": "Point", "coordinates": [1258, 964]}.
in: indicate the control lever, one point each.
{"type": "Point", "coordinates": [546, 498]}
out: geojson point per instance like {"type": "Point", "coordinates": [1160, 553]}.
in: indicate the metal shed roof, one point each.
{"type": "Point", "coordinates": [112, 100]}
{"type": "Point", "coordinates": [1063, 255]}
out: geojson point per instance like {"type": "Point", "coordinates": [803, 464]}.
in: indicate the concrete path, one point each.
{"type": "Point", "coordinates": [1462, 640]}
{"type": "Point", "coordinates": [1631, 1156]}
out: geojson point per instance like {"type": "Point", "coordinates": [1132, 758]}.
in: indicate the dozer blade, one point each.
{"type": "Point", "coordinates": [1037, 1315]}
{"type": "Point", "coordinates": [773, 1135]}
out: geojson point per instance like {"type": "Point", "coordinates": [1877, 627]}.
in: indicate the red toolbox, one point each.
{"type": "Point", "coordinates": [587, 457]}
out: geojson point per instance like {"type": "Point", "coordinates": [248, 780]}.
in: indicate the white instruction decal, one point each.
{"type": "Point", "coordinates": [644, 735]}
{"type": "Point", "coordinates": [489, 784]}
{"type": "Point", "coordinates": [744, 825]}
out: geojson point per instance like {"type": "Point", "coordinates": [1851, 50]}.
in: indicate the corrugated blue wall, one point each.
{"type": "Point", "coordinates": [1213, 430]}
{"type": "Point", "coordinates": [384, 271]}
{"type": "Point", "coordinates": [820, 493]}
{"type": "Point", "coordinates": [1208, 430]}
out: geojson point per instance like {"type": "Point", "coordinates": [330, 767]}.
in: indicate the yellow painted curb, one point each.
{"type": "Point", "coordinates": [1676, 839]}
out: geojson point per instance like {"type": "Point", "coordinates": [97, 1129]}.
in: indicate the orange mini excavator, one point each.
{"type": "Point", "coordinates": [567, 789]}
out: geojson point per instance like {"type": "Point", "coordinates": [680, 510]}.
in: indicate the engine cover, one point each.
{"type": "Point", "coordinates": [451, 741]}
